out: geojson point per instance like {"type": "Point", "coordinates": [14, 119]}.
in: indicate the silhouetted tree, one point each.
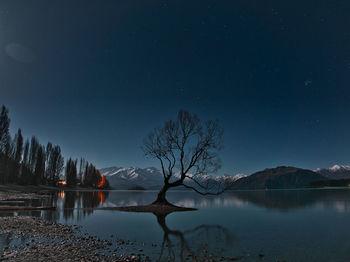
{"type": "Point", "coordinates": [55, 165]}
{"type": "Point", "coordinates": [18, 146]}
{"type": "Point", "coordinates": [9, 147]}
{"type": "Point", "coordinates": [81, 170]}
{"type": "Point", "coordinates": [48, 152]}
{"type": "Point", "coordinates": [4, 130]}
{"type": "Point", "coordinates": [25, 174]}
{"type": "Point", "coordinates": [188, 148]}
{"type": "Point", "coordinates": [5, 145]}
{"type": "Point", "coordinates": [89, 178]}
{"type": "Point", "coordinates": [92, 177]}
{"type": "Point", "coordinates": [71, 172]}
{"type": "Point", "coordinates": [35, 164]}
{"type": "Point", "coordinates": [14, 162]}
{"type": "Point", "coordinates": [25, 160]}
{"type": "Point", "coordinates": [39, 170]}
{"type": "Point", "coordinates": [34, 147]}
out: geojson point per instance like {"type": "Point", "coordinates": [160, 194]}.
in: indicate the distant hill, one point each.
{"type": "Point", "coordinates": [152, 179]}
{"type": "Point", "coordinates": [335, 172]}
{"type": "Point", "coordinates": [330, 183]}
{"type": "Point", "coordinates": [283, 177]}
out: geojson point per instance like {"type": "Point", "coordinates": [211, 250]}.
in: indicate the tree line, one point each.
{"type": "Point", "coordinates": [31, 163]}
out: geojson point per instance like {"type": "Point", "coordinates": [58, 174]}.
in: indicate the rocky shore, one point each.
{"type": "Point", "coordinates": [34, 239]}
{"type": "Point", "coordinates": [28, 238]}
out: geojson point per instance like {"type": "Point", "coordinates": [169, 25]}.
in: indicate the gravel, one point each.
{"type": "Point", "coordinates": [42, 240]}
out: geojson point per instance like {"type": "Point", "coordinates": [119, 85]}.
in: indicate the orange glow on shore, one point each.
{"type": "Point", "coordinates": [102, 183]}
{"type": "Point", "coordinates": [62, 183]}
{"type": "Point", "coordinates": [101, 197]}
{"type": "Point", "coordinates": [61, 194]}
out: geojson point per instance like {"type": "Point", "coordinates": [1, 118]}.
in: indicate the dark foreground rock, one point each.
{"type": "Point", "coordinates": [41, 240]}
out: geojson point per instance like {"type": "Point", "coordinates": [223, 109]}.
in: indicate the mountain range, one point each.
{"type": "Point", "coordinates": [282, 177]}
{"type": "Point", "coordinates": [151, 178]}
{"type": "Point", "coordinates": [335, 172]}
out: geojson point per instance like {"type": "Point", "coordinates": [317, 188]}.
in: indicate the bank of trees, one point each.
{"type": "Point", "coordinates": [28, 162]}
{"type": "Point", "coordinates": [83, 173]}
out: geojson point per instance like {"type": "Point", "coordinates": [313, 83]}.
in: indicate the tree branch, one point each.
{"type": "Point", "coordinates": [205, 193]}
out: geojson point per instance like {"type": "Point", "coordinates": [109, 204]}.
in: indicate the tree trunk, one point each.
{"type": "Point", "coordinates": [161, 198]}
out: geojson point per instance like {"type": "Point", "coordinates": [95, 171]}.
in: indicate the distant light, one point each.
{"type": "Point", "coordinates": [61, 194]}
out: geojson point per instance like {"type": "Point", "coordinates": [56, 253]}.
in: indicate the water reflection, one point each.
{"type": "Point", "coordinates": [201, 243]}
{"type": "Point", "coordinates": [78, 204]}
{"type": "Point", "coordinates": [262, 221]}
{"type": "Point", "coordinates": [287, 200]}
{"type": "Point", "coordinates": [70, 204]}
{"type": "Point", "coordinates": [280, 200]}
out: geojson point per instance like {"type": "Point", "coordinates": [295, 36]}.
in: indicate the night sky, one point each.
{"type": "Point", "coordinates": [96, 77]}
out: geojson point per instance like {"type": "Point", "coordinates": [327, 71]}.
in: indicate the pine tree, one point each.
{"type": "Point", "coordinates": [39, 166]}
{"type": "Point", "coordinates": [25, 160]}
{"type": "Point", "coordinates": [18, 146]}
{"type": "Point", "coordinates": [55, 165]}
{"type": "Point", "coordinates": [48, 171]}
{"type": "Point", "coordinates": [60, 168]}
{"type": "Point", "coordinates": [32, 163]}
{"type": "Point", "coordinates": [71, 172]}
{"type": "Point", "coordinates": [18, 149]}
{"type": "Point", "coordinates": [34, 147]}
{"type": "Point", "coordinates": [5, 145]}
{"type": "Point", "coordinates": [4, 130]}
{"type": "Point", "coordinates": [81, 170]}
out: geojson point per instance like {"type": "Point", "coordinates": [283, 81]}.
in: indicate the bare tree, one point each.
{"type": "Point", "coordinates": [186, 148]}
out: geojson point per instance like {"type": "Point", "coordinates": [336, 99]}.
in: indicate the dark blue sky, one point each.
{"type": "Point", "coordinates": [96, 76]}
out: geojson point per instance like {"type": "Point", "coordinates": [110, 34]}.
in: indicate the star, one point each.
{"type": "Point", "coordinates": [307, 82]}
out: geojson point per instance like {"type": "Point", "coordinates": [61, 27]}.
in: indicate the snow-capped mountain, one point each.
{"type": "Point", "coordinates": [132, 177]}
{"type": "Point", "coordinates": [335, 172]}
{"type": "Point", "coordinates": [152, 178]}
{"type": "Point", "coordinates": [231, 178]}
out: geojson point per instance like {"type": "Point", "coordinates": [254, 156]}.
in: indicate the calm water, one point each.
{"type": "Point", "coordinates": [293, 225]}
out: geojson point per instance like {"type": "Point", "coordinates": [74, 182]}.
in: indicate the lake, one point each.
{"type": "Point", "coordinates": [275, 225]}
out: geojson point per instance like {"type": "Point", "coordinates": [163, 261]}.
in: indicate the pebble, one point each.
{"type": "Point", "coordinates": [62, 243]}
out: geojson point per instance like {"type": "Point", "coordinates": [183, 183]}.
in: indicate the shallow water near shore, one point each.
{"type": "Point", "coordinates": [284, 225]}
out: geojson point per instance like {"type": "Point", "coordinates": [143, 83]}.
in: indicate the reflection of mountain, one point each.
{"type": "Point", "coordinates": [78, 204]}
{"type": "Point", "coordinates": [295, 199]}
{"type": "Point", "coordinates": [282, 177]}
{"type": "Point", "coordinates": [338, 199]}
{"type": "Point", "coordinates": [178, 198]}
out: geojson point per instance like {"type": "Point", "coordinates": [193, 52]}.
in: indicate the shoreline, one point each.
{"type": "Point", "coordinates": [31, 238]}
{"type": "Point", "coordinates": [44, 189]}
{"type": "Point", "coordinates": [36, 239]}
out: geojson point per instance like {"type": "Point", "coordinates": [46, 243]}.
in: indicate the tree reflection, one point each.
{"type": "Point", "coordinates": [197, 243]}
{"type": "Point", "coordinates": [48, 214]}
{"type": "Point", "coordinates": [81, 203]}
